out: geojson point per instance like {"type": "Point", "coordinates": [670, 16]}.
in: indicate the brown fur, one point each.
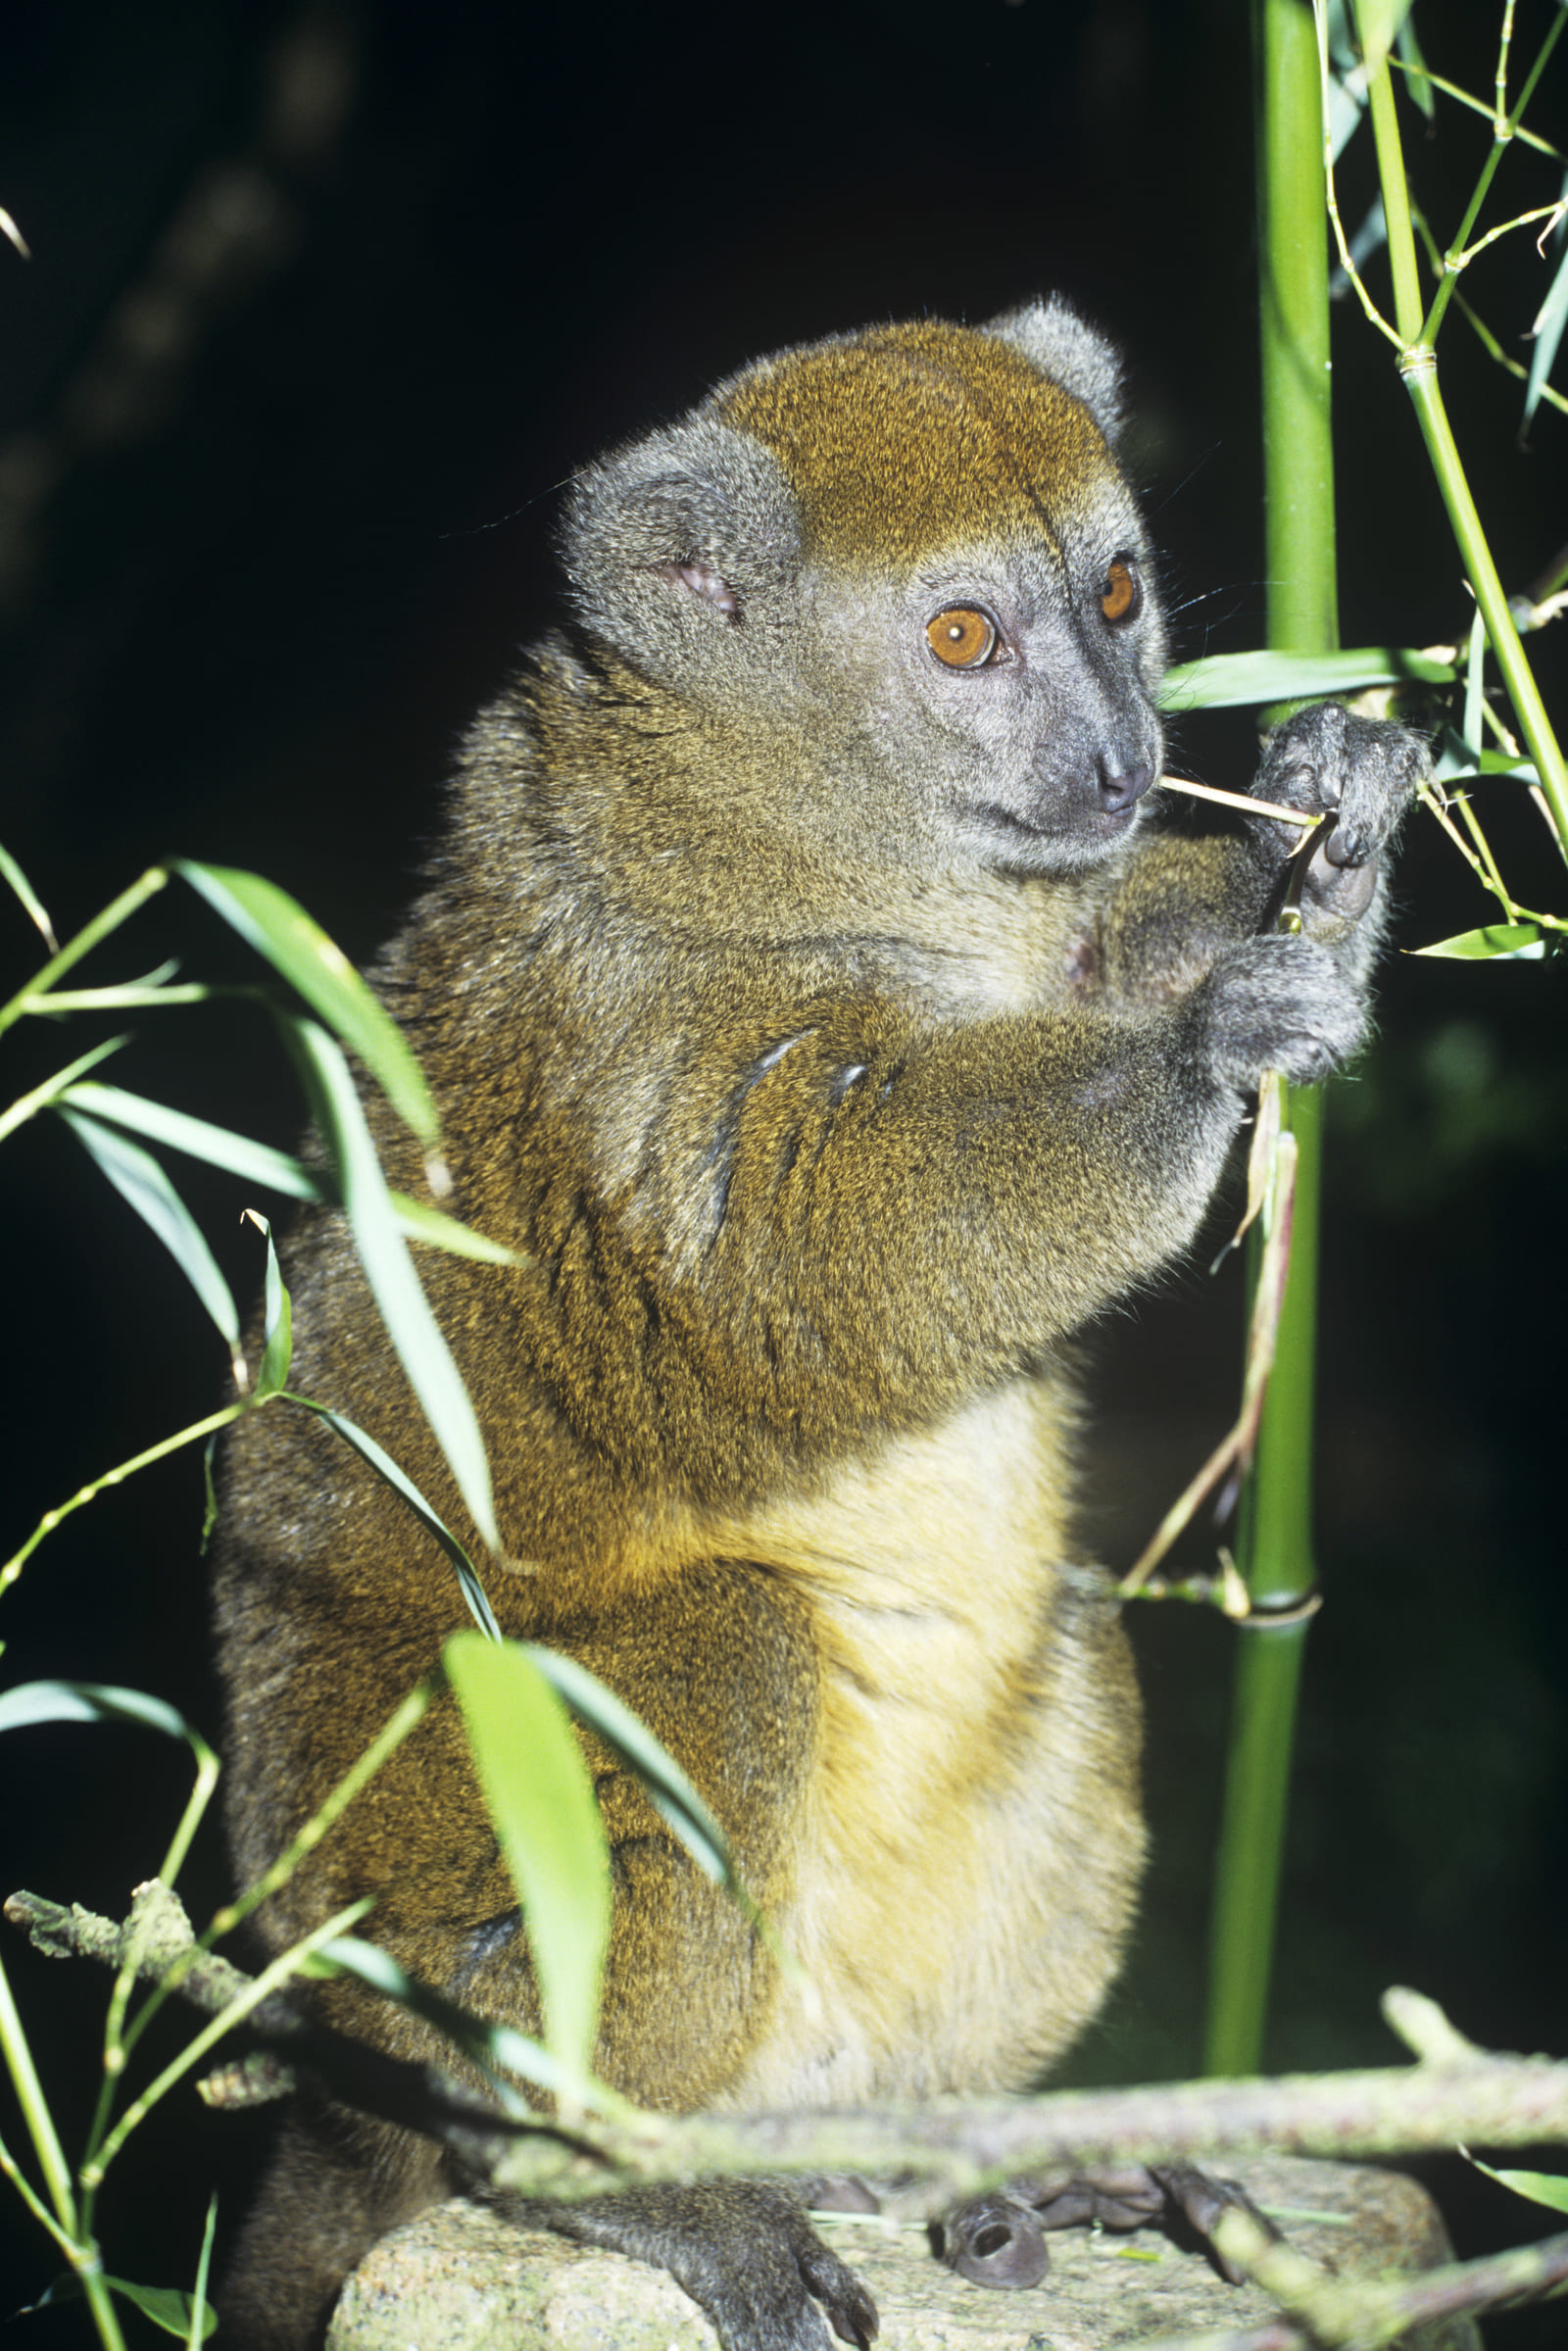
{"type": "Point", "coordinates": [826, 1110]}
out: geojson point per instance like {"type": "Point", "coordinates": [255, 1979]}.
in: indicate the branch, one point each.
{"type": "Point", "coordinates": [1319, 2310]}
{"type": "Point", "coordinates": [949, 2148]}
{"type": "Point", "coordinates": [156, 1940]}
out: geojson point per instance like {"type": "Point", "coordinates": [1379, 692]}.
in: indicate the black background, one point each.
{"type": "Point", "coordinates": [325, 304]}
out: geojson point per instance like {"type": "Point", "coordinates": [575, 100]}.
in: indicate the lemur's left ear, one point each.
{"type": "Point", "coordinates": [1072, 352]}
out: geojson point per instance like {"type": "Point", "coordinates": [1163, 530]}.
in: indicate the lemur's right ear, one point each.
{"type": "Point", "coordinates": [689, 530]}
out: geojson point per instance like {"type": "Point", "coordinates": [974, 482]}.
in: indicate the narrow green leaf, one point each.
{"type": "Point", "coordinates": [497, 2049]}
{"type": "Point", "coordinates": [1226, 678]}
{"type": "Point", "coordinates": [110, 918]}
{"type": "Point", "coordinates": [419, 1221]}
{"type": "Point", "coordinates": [33, 1702]}
{"type": "Point", "coordinates": [88, 1702]}
{"type": "Point", "coordinates": [668, 1789]}
{"type": "Point", "coordinates": [1346, 108]}
{"type": "Point", "coordinates": [1457, 763]}
{"type": "Point", "coordinates": [176, 2313]}
{"type": "Point", "coordinates": [1541, 2187]}
{"type": "Point", "coordinates": [541, 1802]}
{"type": "Point", "coordinates": [49, 1090]}
{"type": "Point", "coordinates": [1496, 939]}
{"type": "Point", "coordinates": [1547, 333]}
{"type": "Point", "coordinates": [143, 1184]}
{"type": "Point", "coordinates": [124, 996]}
{"type": "Point", "coordinates": [405, 1310]}
{"type": "Point", "coordinates": [220, 1146]}
{"type": "Point", "coordinates": [1503, 762]}
{"type": "Point", "coordinates": [1475, 685]}
{"type": "Point", "coordinates": [278, 1322]}
{"type": "Point", "coordinates": [12, 872]}
{"type": "Point", "coordinates": [1416, 79]}
{"type": "Point", "coordinates": [279, 1171]}
{"type": "Point", "coordinates": [279, 928]}
{"type": "Point", "coordinates": [382, 1463]}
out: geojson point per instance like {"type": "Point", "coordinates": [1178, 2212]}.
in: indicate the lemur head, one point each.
{"type": "Point", "coordinates": [916, 542]}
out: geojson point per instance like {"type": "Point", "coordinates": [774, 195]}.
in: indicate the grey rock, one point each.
{"type": "Point", "coordinates": [459, 2279]}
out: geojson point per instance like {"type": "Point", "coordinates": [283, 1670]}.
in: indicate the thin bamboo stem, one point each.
{"type": "Point", "coordinates": [1274, 1549]}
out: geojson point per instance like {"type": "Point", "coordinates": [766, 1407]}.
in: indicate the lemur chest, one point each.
{"type": "Point", "coordinates": [968, 1835]}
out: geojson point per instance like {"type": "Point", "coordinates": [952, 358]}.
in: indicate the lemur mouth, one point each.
{"type": "Point", "coordinates": [996, 818]}
{"type": "Point", "coordinates": [1094, 824]}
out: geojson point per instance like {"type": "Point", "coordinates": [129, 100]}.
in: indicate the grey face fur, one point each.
{"type": "Point", "coordinates": [707, 555]}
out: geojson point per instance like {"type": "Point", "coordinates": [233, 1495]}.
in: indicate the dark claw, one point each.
{"type": "Point", "coordinates": [743, 2249]}
{"type": "Point", "coordinates": [1120, 2196]}
{"type": "Point", "coordinates": [1199, 2198]}
{"type": "Point", "coordinates": [1073, 2205]}
{"type": "Point", "coordinates": [852, 2317]}
{"type": "Point", "coordinates": [993, 2241]}
{"type": "Point", "coordinates": [1000, 2239]}
{"type": "Point", "coordinates": [838, 2191]}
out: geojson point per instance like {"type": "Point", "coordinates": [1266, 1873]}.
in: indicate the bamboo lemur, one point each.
{"type": "Point", "coordinates": [810, 997]}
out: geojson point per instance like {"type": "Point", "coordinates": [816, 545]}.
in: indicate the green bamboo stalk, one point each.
{"type": "Point", "coordinates": [1275, 1544]}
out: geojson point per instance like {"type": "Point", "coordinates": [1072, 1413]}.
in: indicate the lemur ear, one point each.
{"type": "Point", "coordinates": [1073, 354]}
{"type": "Point", "coordinates": [693, 527]}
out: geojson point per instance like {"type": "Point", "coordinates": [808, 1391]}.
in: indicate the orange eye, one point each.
{"type": "Point", "coordinates": [962, 638]}
{"type": "Point", "coordinates": [1121, 592]}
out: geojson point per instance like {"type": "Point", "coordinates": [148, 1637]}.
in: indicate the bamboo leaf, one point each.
{"type": "Point", "coordinates": [1494, 942]}
{"type": "Point", "coordinates": [1416, 79]}
{"type": "Point", "coordinates": [1541, 2187]}
{"type": "Point", "coordinates": [119, 910]}
{"type": "Point", "coordinates": [279, 1171]}
{"type": "Point", "coordinates": [382, 1463]}
{"type": "Point", "coordinates": [143, 1184]}
{"type": "Point", "coordinates": [1346, 104]}
{"type": "Point", "coordinates": [33, 1702]}
{"type": "Point", "coordinates": [405, 1310]}
{"type": "Point", "coordinates": [279, 928]}
{"type": "Point", "coordinates": [177, 2313]}
{"type": "Point", "coordinates": [88, 1702]}
{"type": "Point", "coordinates": [419, 1221]}
{"type": "Point", "coordinates": [668, 1789]}
{"type": "Point", "coordinates": [1457, 763]}
{"type": "Point", "coordinates": [174, 2312]}
{"type": "Point", "coordinates": [278, 1322]}
{"type": "Point", "coordinates": [1547, 332]}
{"type": "Point", "coordinates": [498, 2050]}
{"type": "Point", "coordinates": [124, 996]}
{"type": "Point", "coordinates": [541, 1801]}
{"type": "Point", "coordinates": [1475, 686]}
{"type": "Point", "coordinates": [1226, 678]}
{"type": "Point", "coordinates": [220, 1146]}
{"type": "Point", "coordinates": [49, 1090]}
{"type": "Point", "coordinates": [12, 872]}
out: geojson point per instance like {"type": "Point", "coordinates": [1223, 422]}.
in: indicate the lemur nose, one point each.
{"type": "Point", "coordinates": [1120, 787]}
